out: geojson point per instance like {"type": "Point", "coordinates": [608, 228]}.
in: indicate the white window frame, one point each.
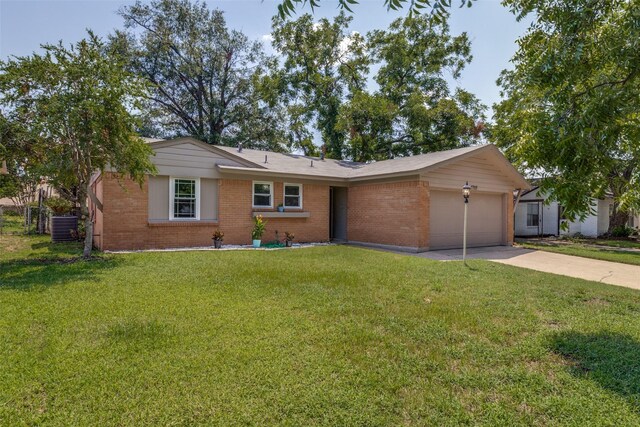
{"type": "Point", "coordinates": [172, 194]}
{"type": "Point", "coordinates": [284, 194]}
{"type": "Point", "coordinates": [537, 205]}
{"type": "Point", "coordinates": [253, 194]}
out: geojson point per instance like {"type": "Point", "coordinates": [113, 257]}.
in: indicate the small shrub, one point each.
{"type": "Point", "coordinates": [218, 235]}
{"type": "Point", "coordinates": [289, 236]}
{"type": "Point", "coordinates": [621, 231]}
{"type": "Point", "coordinates": [59, 206]}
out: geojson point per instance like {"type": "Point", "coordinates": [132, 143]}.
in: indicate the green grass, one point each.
{"type": "Point", "coordinates": [587, 251]}
{"type": "Point", "coordinates": [321, 336]}
{"type": "Point", "coordinates": [11, 223]}
{"type": "Point", "coordinates": [611, 242]}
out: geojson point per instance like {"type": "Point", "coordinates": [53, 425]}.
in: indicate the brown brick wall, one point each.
{"type": "Point", "coordinates": [125, 220]}
{"type": "Point", "coordinates": [508, 201]}
{"type": "Point", "coordinates": [236, 220]}
{"type": "Point", "coordinates": [389, 213]}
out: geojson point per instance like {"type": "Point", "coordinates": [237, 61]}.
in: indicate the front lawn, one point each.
{"type": "Point", "coordinates": [588, 250]}
{"type": "Point", "coordinates": [322, 336]}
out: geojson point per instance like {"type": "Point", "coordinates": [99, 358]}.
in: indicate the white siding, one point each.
{"type": "Point", "coordinates": [548, 216]}
{"type": "Point", "coordinates": [603, 215]}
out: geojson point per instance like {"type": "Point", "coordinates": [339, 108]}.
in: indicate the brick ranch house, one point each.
{"type": "Point", "coordinates": [411, 203]}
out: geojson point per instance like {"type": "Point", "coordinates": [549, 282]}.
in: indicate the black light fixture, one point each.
{"type": "Point", "coordinates": [466, 192]}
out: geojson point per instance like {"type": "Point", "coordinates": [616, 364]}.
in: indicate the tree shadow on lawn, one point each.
{"type": "Point", "coordinates": [41, 273]}
{"type": "Point", "coordinates": [610, 359]}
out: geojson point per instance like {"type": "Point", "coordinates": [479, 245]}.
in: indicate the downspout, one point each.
{"type": "Point", "coordinates": [541, 219]}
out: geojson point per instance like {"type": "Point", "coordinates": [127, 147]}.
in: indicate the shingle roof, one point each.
{"type": "Point", "coordinates": [301, 165]}
{"type": "Point", "coordinates": [287, 165]}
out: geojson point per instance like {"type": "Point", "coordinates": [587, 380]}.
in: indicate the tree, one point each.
{"type": "Point", "coordinates": [322, 64]}
{"type": "Point", "coordinates": [413, 110]}
{"type": "Point", "coordinates": [202, 74]}
{"type": "Point", "coordinates": [571, 104]}
{"type": "Point", "coordinates": [22, 159]}
{"type": "Point", "coordinates": [368, 122]}
{"type": "Point", "coordinates": [439, 8]}
{"type": "Point", "coordinates": [76, 104]}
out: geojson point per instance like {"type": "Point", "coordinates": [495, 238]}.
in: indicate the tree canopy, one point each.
{"type": "Point", "coordinates": [413, 55]}
{"type": "Point", "coordinates": [73, 105]}
{"type": "Point", "coordinates": [438, 8]}
{"type": "Point", "coordinates": [408, 109]}
{"type": "Point", "coordinates": [322, 63]}
{"type": "Point", "coordinates": [201, 74]}
{"type": "Point", "coordinates": [571, 103]}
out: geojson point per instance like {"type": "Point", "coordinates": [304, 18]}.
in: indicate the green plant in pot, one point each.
{"type": "Point", "coordinates": [288, 239]}
{"type": "Point", "coordinates": [218, 237]}
{"type": "Point", "coordinates": [259, 226]}
{"type": "Point", "coordinates": [280, 207]}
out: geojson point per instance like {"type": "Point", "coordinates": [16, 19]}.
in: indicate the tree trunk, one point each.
{"type": "Point", "coordinates": [619, 218]}
{"type": "Point", "coordinates": [88, 225]}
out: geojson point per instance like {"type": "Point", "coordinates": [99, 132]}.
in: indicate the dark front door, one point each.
{"type": "Point", "coordinates": [338, 213]}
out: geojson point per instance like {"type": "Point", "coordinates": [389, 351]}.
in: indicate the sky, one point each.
{"type": "Point", "coordinates": [492, 29]}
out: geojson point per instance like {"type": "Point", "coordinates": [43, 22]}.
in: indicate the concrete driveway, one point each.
{"type": "Point", "coordinates": [612, 273]}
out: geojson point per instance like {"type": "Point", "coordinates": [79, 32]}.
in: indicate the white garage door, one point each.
{"type": "Point", "coordinates": [485, 222]}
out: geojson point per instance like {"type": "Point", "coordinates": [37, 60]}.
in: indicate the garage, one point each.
{"type": "Point", "coordinates": [485, 226]}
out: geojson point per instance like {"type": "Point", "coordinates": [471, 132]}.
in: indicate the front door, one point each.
{"type": "Point", "coordinates": [338, 213]}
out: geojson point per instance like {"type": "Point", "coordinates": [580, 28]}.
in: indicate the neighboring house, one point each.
{"type": "Point", "coordinates": [3, 167]}
{"type": "Point", "coordinates": [411, 203]}
{"type": "Point", "coordinates": [9, 203]}
{"type": "Point", "coordinates": [534, 217]}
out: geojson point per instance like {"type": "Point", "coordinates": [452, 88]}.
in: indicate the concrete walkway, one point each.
{"type": "Point", "coordinates": [612, 273]}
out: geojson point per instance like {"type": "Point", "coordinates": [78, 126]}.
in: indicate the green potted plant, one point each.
{"type": "Point", "coordinates": [64, 225]}
{"type": "Point", "coordinates": [288, 239]}
{"type": "Point", "coordinates": [258, 230]}
{"type": "Point", "coordinates": [280, 207]}
{"type": "Point", "coordinates": [218, 237]}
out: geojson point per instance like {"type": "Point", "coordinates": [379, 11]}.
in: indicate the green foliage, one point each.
{"type": "Point", "coordinates": [58, 205]}
{"type": "Point", "coordinates": [438, 8]}
{"type": "Point", "coordinates": [22, 154]}
{"type": "Point", "coordinates": [572, 101]}
{"type": "Point", "coordinates": [413, 111]}
{"type": "Point", "coordinates": [75, 104]}
{"type": "Point", "coordinates": [258, 229]}
{"type": "Point", "coordinates": [202, 74]}
{"type": "Point", "coordinates": [621, 231]}
{"type": "Point", "coordinates": [322, 63]}
{"type": "Point", "coordinates": [368, 122]}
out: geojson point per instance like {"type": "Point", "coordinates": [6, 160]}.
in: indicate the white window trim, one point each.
{"type": "Point", "coordinates": [288, 184]}
{"type": "Point", "coordinates": [172, 193]}
{"type": "Point", "coordinates": [527, 215]}
{"type": "Point", "coordinates": [253, 194]}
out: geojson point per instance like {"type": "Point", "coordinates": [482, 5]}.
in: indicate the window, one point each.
{"type": "Point", "coordinates": [184, 198]}
{"type": "Point", "coordinates": [533, 214]}
{"type": "Point", "coordinates": [293, 195]}
{"type": "Point", "coordinates": [262, 194]}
